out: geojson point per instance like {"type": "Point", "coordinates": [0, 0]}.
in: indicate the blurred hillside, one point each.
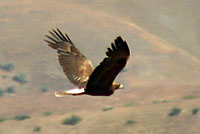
{"type": "Point", "coordinates": [162, 72]}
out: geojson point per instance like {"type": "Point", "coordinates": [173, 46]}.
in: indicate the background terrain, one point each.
{"type": "Point", "coordinates": [163, 71]}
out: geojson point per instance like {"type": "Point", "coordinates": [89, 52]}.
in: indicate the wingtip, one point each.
{"type": "Point", "coordinates": [119, 38]}
{"type": "Point", "coordinates": [57, 29]}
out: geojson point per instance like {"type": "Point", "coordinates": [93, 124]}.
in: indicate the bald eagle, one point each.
{"type": "Point", "coordinates": [79, 70]}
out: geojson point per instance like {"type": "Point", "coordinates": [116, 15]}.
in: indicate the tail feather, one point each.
{"type": "Point", "coordinates": [75, 91]}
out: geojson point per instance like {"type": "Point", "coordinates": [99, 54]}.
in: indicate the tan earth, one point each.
{"type": "Point", "coordinates": [163, 71]}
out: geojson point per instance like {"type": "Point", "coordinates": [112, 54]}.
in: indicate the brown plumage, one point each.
{"type": "Point", "coordinates": [79, 70]}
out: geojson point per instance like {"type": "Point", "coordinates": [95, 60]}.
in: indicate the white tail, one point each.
{"type": "Point", "coordinates": [75, 91]}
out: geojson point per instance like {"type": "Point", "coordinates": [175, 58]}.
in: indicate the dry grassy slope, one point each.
{"type": "Point", "coordinates": [157, 70]}
{"type": "Point", "coordinates": [163, 18]}
{"type": "Point", "coordinates": [150, 118]}
{"type": "Point", "coordinates": [152, 59]}
{"type": "Point", "coordinates": [39, 103]}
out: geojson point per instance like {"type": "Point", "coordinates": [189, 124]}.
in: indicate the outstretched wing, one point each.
{"type": "Point", "coordinates": [75, 65]}
{"type": "Point", "coordinates": [104, 74]}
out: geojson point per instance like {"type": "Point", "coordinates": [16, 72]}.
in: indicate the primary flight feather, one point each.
{"type": "Point", "coordinates": [79, 70]}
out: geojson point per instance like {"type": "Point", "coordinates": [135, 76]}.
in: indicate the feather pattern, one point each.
{"type": "Point", "coordinates": [103, 76]}
{"type": "Point", "coordinates": [75, 65]}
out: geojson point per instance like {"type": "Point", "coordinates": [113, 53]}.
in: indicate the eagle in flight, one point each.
{"type": "Point", "coordinates": [79, 70]}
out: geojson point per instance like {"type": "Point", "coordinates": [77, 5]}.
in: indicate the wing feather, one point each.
{"type": "Point", "coordinates": [104, 74]}
{"type": "Point", "coordinates": [75, 65]}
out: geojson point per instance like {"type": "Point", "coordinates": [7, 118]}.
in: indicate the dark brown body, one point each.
{"type": "Point", "coordinates": [102, 91]}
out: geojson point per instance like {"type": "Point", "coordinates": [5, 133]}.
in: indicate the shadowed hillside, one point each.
{"type": "Point", "coordinates": [163, 71]}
